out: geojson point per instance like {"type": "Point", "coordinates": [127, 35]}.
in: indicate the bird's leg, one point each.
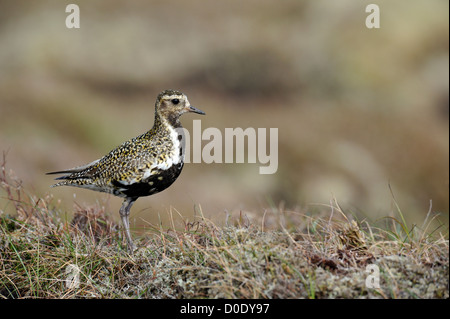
{"type": "Point", "coordinates": [124, 213]}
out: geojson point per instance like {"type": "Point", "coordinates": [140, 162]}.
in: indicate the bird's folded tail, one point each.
{"type": "Point", "coordinates": [71, 174]}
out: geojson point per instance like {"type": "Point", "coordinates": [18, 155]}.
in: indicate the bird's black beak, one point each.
{"type": "Point", "coordinates": [195, 110]}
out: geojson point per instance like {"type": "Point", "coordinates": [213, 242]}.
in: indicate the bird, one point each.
{"type": "Point", "coordinates": [142, 166]}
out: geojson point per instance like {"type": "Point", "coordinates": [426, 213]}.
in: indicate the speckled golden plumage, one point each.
{"type": "Point", "coordinates": [142, 166]}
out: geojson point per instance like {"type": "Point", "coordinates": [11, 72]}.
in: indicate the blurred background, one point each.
{"type": "Point", "coordinates": [356, 109]}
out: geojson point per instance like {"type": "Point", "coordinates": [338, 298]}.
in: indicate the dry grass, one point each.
{"type": "Point", "coordinates": [42, 255]}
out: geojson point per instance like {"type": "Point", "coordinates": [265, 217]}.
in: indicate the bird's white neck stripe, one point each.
{"type": "Point", "coordinates": [175, 157]}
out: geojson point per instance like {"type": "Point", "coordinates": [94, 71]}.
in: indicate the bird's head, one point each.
{"type": "Point", "coordinates": [171, 104]}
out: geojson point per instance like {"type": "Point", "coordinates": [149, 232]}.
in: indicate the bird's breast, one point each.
{"type": "Point", "coordinates": [161, 172]}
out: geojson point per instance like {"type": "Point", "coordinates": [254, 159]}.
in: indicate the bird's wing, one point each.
{"type": "Point", "coordinates": [74, 170]}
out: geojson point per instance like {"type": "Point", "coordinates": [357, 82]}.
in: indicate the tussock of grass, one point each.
{"type": "Point", "coordinates": [42, 255]}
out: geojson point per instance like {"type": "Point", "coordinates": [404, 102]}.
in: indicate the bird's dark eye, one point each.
{"type": "Point", "coordinates": [175, 101]}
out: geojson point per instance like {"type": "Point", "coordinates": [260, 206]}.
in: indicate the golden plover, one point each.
{"type": "Point", "coordinates": [142, 166]}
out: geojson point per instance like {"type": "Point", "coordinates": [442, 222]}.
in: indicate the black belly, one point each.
{"type": "Point", "coordinates": [152, 185]}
